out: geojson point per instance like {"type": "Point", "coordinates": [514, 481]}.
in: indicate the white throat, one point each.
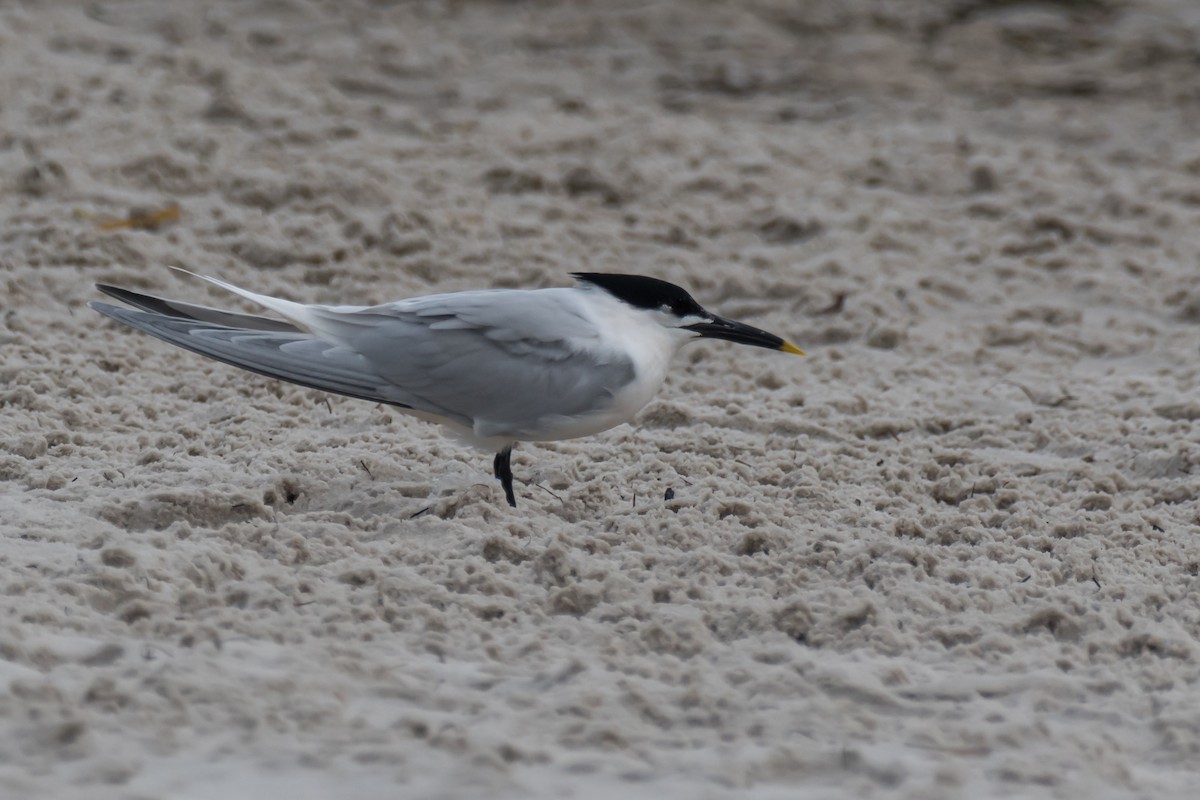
{"type": "Point", "coordinates": [627, 332]}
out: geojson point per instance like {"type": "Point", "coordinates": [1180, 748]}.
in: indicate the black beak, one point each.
{"type": "Point", "coordinates": [730, 331]}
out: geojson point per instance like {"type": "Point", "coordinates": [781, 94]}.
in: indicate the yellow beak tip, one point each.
{"type": "Point", "coordinates": [788, 347]}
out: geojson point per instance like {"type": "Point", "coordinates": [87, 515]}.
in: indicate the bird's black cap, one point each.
{"type": "Point", "coordinates": [642, 292]}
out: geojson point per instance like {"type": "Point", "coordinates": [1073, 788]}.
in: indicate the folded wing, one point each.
{"type": "Point", "coordinates": [295, 357]}
{"type": "Point", "coordinates": [503, 364]}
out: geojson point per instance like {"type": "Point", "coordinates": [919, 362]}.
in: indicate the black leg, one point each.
{"type": "Point", "coordinates": [504, 473]}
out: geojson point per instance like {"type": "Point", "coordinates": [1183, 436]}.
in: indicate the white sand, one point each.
{"type": "Point", "coordinates": [953, 553]}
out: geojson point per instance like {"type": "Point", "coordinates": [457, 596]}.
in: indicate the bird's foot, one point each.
{"type": "Point", "coordinates": [503, 466]}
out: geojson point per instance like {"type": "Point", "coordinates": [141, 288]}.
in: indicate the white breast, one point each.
{"type": "Point", "coordinates": [624, 332]}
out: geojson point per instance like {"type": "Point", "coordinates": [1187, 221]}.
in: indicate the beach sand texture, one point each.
{"type": "Point", "coordinates": [953, 553]}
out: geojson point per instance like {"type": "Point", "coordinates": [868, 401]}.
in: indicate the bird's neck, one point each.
{"type": "Point", "coordinates": [641, 339]}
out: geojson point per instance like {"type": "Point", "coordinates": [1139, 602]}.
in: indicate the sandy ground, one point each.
{"type": "Point", "coordinates": [953, 553]}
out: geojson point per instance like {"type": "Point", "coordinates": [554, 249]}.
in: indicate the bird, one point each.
{"type": "Point", "coordinates": [494, 367]}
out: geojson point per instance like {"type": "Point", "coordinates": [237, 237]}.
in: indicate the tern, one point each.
{"type": "Point", "coordinates": [496, 366]}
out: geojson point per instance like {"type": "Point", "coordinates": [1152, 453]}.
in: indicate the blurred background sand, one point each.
{"type": "Point", "coordinates": [952, 553]}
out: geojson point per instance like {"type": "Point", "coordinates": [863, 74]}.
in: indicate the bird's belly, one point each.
{"type": "Point", "coordinates": [621, 408]}
{"type": "Point", "coordinates": [608, 410]}
{"type": "Point", "coordinates": [576, 427]}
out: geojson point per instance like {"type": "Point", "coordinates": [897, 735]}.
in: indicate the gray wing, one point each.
{"type": "Point", "coordinates": [498, 362]}
{"type": "Point", "coordinates": [296, 357]}
{"type": "Point", "coordinates": [181, 310]}
{"type": "Point", "coordinates": [512, 362]}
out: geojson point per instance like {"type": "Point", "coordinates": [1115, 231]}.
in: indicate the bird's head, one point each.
{"type": "Point", "coordinates": [674, 308]}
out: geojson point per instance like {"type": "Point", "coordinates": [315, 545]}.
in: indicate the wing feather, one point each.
{"type": "Point", "coordinates": [295, 357]}
{"type": "Point", "coordinates": [501, 363]}
{"type": "Point", "coordinates": [181, 310]}
{"type": "Point", "coordinates": [511, 361]}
